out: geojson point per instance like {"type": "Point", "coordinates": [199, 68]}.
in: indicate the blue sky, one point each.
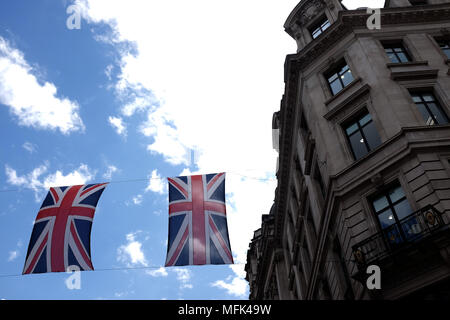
{"type": "Point", "coordinates": [144, 89]}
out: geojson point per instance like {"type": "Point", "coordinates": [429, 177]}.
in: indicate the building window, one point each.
{"type": "Point", "coordinates": [298, 174]}
{"type": "Point", "coordinates": [304, 129]}
{"type": "Point", "coordinates": [362, 135]}
{"type": "Point", "coordinates": [318, 28]}
{"type": "Point", "coordinates": [445, 46]}
{"type": "Point", "coordinates": [429, 108]}
{"type": "Point", "coordinates": [391, 207]}
{"type": "Point", "coordinates": [339, 77]}
{"type": "Point", "coordinates": [318, 178]}
{"type": "Point", "coordinates": [396, 52]}
{"type": "Point", "coordinates": [310, 224]}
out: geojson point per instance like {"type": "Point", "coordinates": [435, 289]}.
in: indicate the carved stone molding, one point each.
{"type": "Point", "coordinates": [377, 180]}
{"type": "Point", "coordinates": [349, 20]}
{"type": "Point", "coordinates": [309, 11]}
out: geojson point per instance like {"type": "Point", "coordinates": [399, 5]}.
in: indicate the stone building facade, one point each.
{"type": "Point", "coordinates": [363, 174]}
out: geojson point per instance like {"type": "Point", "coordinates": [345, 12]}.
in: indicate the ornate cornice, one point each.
{"type": "Point", "coordinates": [287, 114]}
{"type": "Point", "coordinates": [309, 11]}
{"type": "Point", "coordinates": [352, 19]}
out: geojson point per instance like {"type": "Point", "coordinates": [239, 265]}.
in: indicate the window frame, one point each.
{"type": "Point", "coordinates": [356, 120]}
{"type": "Point", "coordinates": [336, 70]}
{"type": "Point", "coordinates": [421, 92]}
{"type": "Point", "coordinates": [446, 41]}
{"type": "Point", "coordinates": [321, 24]}
{"type": "Point", "coordinates": [391, 206]}
{"type": "Point", "coordinates": [397, 44]}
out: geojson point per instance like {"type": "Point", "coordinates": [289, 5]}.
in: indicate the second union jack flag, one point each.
{"type": "Point", "coordinates": [62, 230]}
{"type": "Point", "coordinates": [198, 231]}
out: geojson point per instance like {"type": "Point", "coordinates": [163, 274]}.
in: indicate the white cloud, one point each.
{"type": "Point", "coordinates": [138, 104]}
{"type": "Point", "coordinates": [30, 147]}
{"type": "Point", "coordinates": [29, 181]}
{"type": "Point", "coordinates": [237, 287]}
{"type": "Point", "coordinates": [13, 255]}
{"type": "Point", "coordinates": [34, 181]}
{"type": "Point", "coordinates": [118, 125]}
{"type": "Point", "coordinates": [137, 200]}
{"type": "Point", "coordinates": [123, 294]}
{"type": "Point", "coordinates": [131, 253]}
{"type": "Point", "coordinates": [109, 172]}
{"type": "Point", "coordinates": [161, 272]}
{"type": "Point", "coordinates": [156, 183]}
{"type": "Point", "coordinates": [108, 71]}
{"type": "Point", "coordinates": [76, 177]}
{"type": "Point", "coordinates": [184, 277]}
{"type": "Point", "coordinates": [32, 103]}
{"type": "Point", "coordinates": [13, 178]}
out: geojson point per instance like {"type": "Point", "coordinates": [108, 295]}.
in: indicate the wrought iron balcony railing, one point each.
{"type": "Point", "coordinates": [411, 229]}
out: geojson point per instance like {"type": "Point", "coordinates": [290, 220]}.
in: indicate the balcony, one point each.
{"type": "Point", "coordinates": [395, 243]}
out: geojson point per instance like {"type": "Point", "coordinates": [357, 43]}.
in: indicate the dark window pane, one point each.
{"type": "Point", "coordinates": [371, 134]}
{"type": "Point", "coordinates": [319, 28]}
{"type": "Point", "coordinates": [393, 58]}
{"type": "Point", "coordinates": [396, 52]}
{"type": "Point", "coordinates": [351, 129]}
{"type": "Point", "coordinates": [425, 114]}
{"type": "Point", "coordinates": [438, 113]}
{"type": "Point", "coordinates": [316, 33]}
{"type": "Point", "coordinates": [365, 119]}
{"type": "Point", "coordinates": [380, 203]}
{"type": "Point", "coordinates": [429, 108]}
{"type": "Point", "coordinates": [336, 86]}
{"type": "Point", "coordinates": [347, 77]}
{"type": "Point", "coordinates": [396, 194]}
{"type": "Point", "coordinates": [416, 98]}
{"type": "Point", "coordinates": [430, 121]}
{"type": "Point", "coordinates": [358, 146]}
{"type": "Point", "coordinates": [386, 218]}
{"type": "Point", "coordinates": [428, 97]}
{"type": "Point", "coordinates": [402, 209]}
{"type": "Point", "coordinates": [447, 52]}
{"type": "Point", "coordinates": [332, 77]}
{"type": "Point", "coordinates": [402, 57]}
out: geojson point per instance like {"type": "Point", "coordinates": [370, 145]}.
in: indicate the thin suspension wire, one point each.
{"type": "Point", "coordinates": [154, 178]}
{"type": "Point", "coordinates": [113, 269]}
{"type": "Point", "coordinates": [159, 267]}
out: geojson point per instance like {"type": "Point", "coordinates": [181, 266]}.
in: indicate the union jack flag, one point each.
{"type": "Point", "coordinates": [198, 231]}
{"type": "Point", "coordinates": [62, 230]}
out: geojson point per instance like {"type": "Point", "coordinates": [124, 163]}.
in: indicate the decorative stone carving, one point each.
{"type": "Point", "coordinates": [310, 11]}
{"type": "Point", "coordinates": [330, 4]}
{"type": "Point", "coordinates": [377, 180]}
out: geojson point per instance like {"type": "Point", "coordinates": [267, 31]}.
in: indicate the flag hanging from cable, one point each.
{"type": "Point", "coordinates": [61, 235]}
{"type": "Point", "coordinates": [198, 230]}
